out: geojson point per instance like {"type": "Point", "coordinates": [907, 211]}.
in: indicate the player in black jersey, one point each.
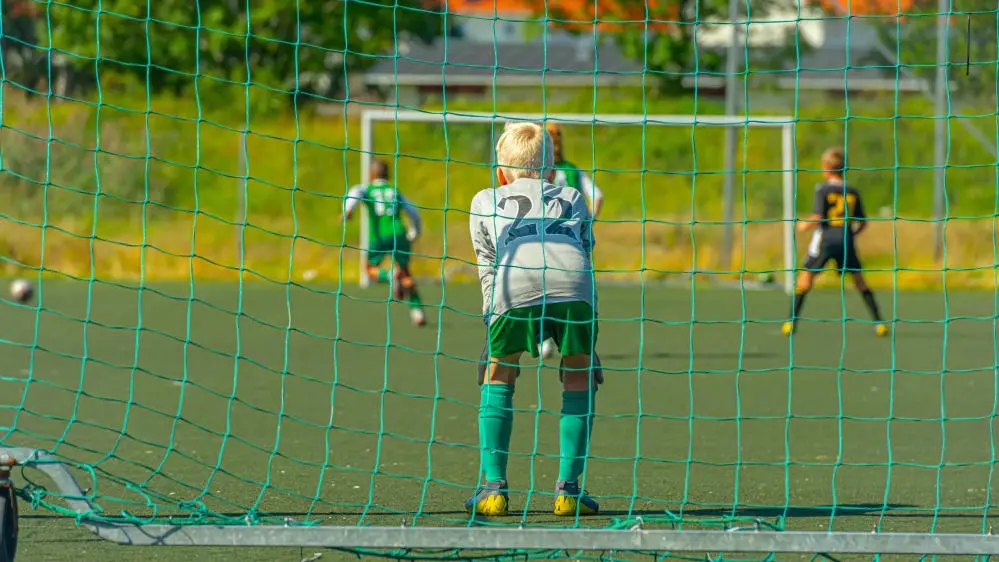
{"type": "Point", "coordinates": [839, 215]}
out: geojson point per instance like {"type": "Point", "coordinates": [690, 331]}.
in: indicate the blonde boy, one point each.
{"type": "Point", "coordinates": [532, 242]}
{"type": "Point", "coordinates": [837, 219]}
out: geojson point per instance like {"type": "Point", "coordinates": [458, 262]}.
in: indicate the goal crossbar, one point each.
{"type": "Point", "coordinates": [785, 124]}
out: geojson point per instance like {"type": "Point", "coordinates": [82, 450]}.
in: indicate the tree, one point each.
{"type": "Point", "coordinates": [911, 40]}
{"type": "Point", "coordinates": [291, 46]}
{"type": "Point", "coordinates": [662, 33]}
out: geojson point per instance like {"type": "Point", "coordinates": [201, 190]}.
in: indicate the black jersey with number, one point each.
{"type": "Point", "coordinates": [838, 205]}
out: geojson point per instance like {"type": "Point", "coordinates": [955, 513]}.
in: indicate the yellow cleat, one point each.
{"type": "Point", "coordinates": [788, 328]}
{"type": "Point", "coordinates": [569, 500]}
{"type": "Point", "coordinates": [881, 330]}
{"type": "Point", "coordinates": [491, 501]}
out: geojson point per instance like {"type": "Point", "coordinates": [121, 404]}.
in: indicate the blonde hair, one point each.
{"type": "Point", "coordinates": [525, 150]}
{"type": "Point", "coordinates": [833, 160]}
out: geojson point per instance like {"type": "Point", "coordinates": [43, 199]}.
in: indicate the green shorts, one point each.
{"type": "Point", "coordinates": [573, 326]}
{"type": "Point", "coordinates": [396, 249]}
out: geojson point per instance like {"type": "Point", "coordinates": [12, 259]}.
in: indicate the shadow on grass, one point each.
{"type": "Point", "coordinates": [845, 510]}
{"type": "Point", "coordinates": [711, 355]}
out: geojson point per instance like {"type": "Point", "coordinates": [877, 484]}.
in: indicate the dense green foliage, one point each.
{"type": "Point", "coordinates": [972, 36]}
{"type": "Point", "coordinates": [198, 47]}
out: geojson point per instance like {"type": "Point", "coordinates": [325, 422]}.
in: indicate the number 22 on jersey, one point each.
{"type": "Point", "coordinates": [839, 206]}
{"type": "Point", "coordinates": [556, 227]}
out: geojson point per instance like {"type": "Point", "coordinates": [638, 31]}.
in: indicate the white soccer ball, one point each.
{"type": "Point", "coordinates": [548, 348]}
{"type": "Point", "coordinates": [416, 315]}
{"type": "Point", "coordinates": [21, 290]}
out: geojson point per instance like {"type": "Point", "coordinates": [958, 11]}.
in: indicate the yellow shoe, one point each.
{"type": "Point", "coordinates": [881, 330]}
{"type": "Point", "coordinates": [788, 328]}
{"type": "Point", "coordinates": [569, 500]}
{"type": "Point", "coordinates": [491, 501]}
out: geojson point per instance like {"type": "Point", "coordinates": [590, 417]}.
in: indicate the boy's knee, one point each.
{"type": "Point", "coordinates": [804, 283]}
{"type": "Point", "coordinates": [503, 370]}
{"type": "Point", "coordinates": [404, 277]}
{"type": "Point", "coordinates": [577, 372]}
{"type": "Point", "coordinates": [373, 271]}
{"type": "Point", "coordinates": [860, 282]}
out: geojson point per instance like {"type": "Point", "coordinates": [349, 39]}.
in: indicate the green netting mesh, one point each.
{"type": "Point", "coordinates": [198, 351]}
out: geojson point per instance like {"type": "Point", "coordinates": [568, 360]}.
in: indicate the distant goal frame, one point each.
{"type": "Point", "coordinates": [788, 171]}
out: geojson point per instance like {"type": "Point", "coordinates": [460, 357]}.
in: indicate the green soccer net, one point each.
{"type": "Point", "coordinates": [205, 363]}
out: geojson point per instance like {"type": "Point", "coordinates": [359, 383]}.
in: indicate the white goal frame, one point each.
{"type": "Point", "coordinates": [785, 124]}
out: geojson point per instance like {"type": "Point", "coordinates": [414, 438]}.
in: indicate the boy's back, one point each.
{"type": "Point", "coordinates": [533, 242]}
{"type": "Point", "coordinates": [837, 204]}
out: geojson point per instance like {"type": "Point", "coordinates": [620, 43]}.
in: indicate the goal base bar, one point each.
{"type": "Point", "coordinates": [479, 538]}
{"type": "Point", "coordinates": [555, 539]}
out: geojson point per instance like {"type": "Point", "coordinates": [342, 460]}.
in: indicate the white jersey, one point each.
{"type": "Point", "coordinates": [532, 242]}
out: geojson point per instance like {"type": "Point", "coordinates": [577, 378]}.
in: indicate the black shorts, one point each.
{"type": "Point", "coordinates": [842, 253]}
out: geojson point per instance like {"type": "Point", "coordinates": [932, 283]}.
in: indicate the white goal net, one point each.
{"type": "Point", "coordinates": [773, 183]}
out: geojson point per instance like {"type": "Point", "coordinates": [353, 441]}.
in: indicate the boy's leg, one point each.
{"type": "Point", "coordinates": [376, 254]}
{"type": "Point", "coordinates": [851, 264]}
{"type": "Point", "coordinates": [405, 285]}
{"type": "Point", "coordinates": [576, 425]}
{"type": "Point", "coordinates": [495, 428]}
{"type": "Point", "coordinates": [577, 335]}
{"type": "Point", "coordinates": [872, 303]}
{"type": "Point", "coordinates": [496, 415]}
{"type": "Point", "coordinates": [509, 336]}
{"type": "Point", "coordinates": [803, 285]}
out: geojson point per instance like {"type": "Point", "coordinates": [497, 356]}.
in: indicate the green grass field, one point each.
{"type": "Point", "coordinates": [314, 404]}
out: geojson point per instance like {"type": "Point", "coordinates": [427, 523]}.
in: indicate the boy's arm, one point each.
{"type": "Point", "coordinates": [586, 239]}
{"type": "Point", "coordinates": [415, 224]}
{"type": "Point", "coordinates": [818, 213]}
{"type": "Point", "coordinates": [592, 192]}
{"type": "Point", "coordinates": [354, 196]}
{"type": "Point", "coordinates": [485, 250]}
{"type": "Point", "coordinates": [860, 215]}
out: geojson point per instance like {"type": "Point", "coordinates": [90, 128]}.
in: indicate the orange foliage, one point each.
{"type": "Point", "coordinates": [575, 13]}
{"type": "Point", "coordinates": [630, 10]}
{"type": "Point", "coordinates": [869, 7]}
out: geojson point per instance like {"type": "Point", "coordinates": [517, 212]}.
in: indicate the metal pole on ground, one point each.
{"type": "Point", "coordinates": [728, 202]}
{"type": "Point", "coordinates": [244, 173]}
{"type": "Point", "coordinates": [940, 130]}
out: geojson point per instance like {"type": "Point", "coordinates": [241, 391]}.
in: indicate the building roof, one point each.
{"type": "Point", "coordinates": [488, 7]}
{"type": "Point", "coordinates": [868, 7]}
{"type": "Point", "coordinates": [461, 62]}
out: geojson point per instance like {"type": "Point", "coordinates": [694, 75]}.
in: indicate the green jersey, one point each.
{"type": "Point", "coordinates": [384, 204]}
{"type": "Point", "coordinates": [568, 175]}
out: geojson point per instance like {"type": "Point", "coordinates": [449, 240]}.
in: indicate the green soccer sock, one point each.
{"type": "Point", "coordinates": [574, 433]}
{"type": "Point", "coordinates": [383, 276]}
{"type": "Point", "coordinates": [495, 426]}
{"type": "Point", "coordinates": [414, 298]}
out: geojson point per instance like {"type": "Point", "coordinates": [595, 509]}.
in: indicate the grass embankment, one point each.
{"type": "Point", "coordinates": [170, 180]}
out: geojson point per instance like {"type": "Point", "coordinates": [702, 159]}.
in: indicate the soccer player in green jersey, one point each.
{"type": "Point", "coordinates": [388, 236]}
{"type": "Point", "coordinates": [569, 175]}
